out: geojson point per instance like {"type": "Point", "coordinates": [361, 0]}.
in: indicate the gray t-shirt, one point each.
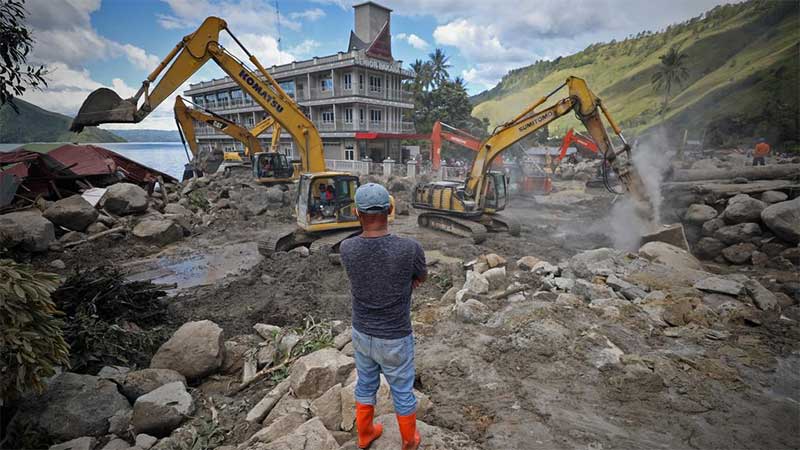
{"type": "Point", "coordinates": [381, 270]}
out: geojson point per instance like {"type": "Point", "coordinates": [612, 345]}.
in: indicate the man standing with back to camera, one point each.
{"type": "Point", "coordinates": [383, 270]}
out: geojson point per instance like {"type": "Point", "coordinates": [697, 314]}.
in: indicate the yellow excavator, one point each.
{"type": "Point", "coordinates": [322, 222]}
{"type": "Point", "coordinates": [473, 207]}
{"type": "Point", "coordinates": [268, 167]}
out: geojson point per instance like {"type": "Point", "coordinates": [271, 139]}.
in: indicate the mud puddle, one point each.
{"type": "Point", "coordinates": [187, 268]}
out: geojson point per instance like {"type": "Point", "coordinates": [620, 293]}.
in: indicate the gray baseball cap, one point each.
{"type": "Point", "coordinates": [372, 198]}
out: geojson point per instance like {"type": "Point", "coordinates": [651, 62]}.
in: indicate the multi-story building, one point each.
{"type": "Point", "coordinates": [355, 98]}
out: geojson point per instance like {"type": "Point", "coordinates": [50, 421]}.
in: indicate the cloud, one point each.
{"type": "Point", "coordinates": [413, 40]}
{"type": "Point", "coordinates": [63, 33]}
{"type": "Point", "coordinates": [242, 16]}
{"type": "Point", "coordinates": [310, 15]}
{"type": "Point", "coordinates": [343, 4]}
{"type": "Point", "coordinates": [304, 48]}
{"type": "Point", "coordinates": [491, 38]}
{"type": "Point", "coordinates": [263, 46]}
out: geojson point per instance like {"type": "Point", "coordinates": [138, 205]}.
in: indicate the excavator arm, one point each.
{"type": "Point", "coordinates": [588, 108]}
{"type": "Point", "coordinates": [188, 56]}
{"type": "Point", "coordinates": [455, 136]}
{"type": "Point", "coordinates": [573, 137]}
{"type": "Point", "coordinates": [185, 117]}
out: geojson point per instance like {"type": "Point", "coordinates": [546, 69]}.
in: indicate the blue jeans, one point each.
{"type": "Point", "coordinates": [393, 357]}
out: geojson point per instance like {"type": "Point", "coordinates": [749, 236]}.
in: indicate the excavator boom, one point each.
{"type": "Point", "coordinates": [455, 136]}
{"type": "Point", "coordinates": [188, 56]}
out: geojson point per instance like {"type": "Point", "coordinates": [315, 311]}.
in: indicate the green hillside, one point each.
{"type": "Point", "coordinates": [34, 124]}
{"type": "Point", "coordinates": [743, 62]}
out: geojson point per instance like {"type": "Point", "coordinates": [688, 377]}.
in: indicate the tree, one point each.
{"type": "Point", "coordinates": [16, 42]}
{"type": "Point", "coordinates": [423, 76]}
{"type": "Point", "coordinates": [439, 66]}
{"type": "Point", "coordinates": [672, 71]}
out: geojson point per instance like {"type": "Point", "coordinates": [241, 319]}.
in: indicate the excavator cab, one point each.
{"type": "Point", "coordinates": [327, 201]}
{"type": "Point", "coordinates": [273, 166]}
{"type": "Point", "coordinates": [495, 196]}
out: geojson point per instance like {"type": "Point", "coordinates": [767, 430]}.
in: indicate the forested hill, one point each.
{"type": "Point", "coordinates": [34, 124]}
{"type": "Point", "coordinates": [743, 69]}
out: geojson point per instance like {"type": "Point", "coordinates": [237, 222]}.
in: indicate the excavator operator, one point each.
{"type": "Point", "coordinates": [383, 270]}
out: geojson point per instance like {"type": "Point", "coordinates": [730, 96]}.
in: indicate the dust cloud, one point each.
{"type": "Point", "coordinates": [651, 155]}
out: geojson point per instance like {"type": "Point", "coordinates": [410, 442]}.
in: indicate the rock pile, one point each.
{"type": "Point", "coordinates": [762, 231]}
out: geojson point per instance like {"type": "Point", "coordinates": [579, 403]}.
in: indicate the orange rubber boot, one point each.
{"type": "Point", "coordinates": [367, 431]}
{"type": "Point", "coordinates": [408, 431]}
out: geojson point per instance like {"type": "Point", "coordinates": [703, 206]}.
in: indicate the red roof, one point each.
{"type": "Point", "coordinates": [369, 136]}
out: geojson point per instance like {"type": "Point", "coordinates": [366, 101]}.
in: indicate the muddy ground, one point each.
{"type": "Point", "coordinates": [529, 381]}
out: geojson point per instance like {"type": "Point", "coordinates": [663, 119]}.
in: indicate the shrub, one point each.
{"type": "Point", "coordinates": [30, 333]}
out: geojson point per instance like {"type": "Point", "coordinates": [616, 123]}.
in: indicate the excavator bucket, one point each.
{"type": "Point", "coordinates": [104, 106]}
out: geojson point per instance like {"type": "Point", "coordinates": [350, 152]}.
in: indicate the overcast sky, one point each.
{"type": "Point", "coordinates": [116, 43]}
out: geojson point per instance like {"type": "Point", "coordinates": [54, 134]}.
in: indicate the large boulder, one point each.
{"type": "Point", "coordinates": [739, 253]}
{"type": "Point", "coordinates": [81, 443]}
{"type": "Point", "coordinates": [311, 435]}
{"type": "Point", "coordinates": [742, 209]}
{"type": "Point", "coordinates": [720, 286]}
{"type": "Point", "coordinates": [159, 412]}
{"type": "Point", "coordinates": [27, 230]}
{"type": "Point", "coordinates": [784, 219]}
{"type": "Point", "coordinates": [140, 382]}
{"type": "Point", "coordinates": [328, 407]}
{"type": "Point", "coordinates": [195, 350]}
{"type": "Point", "coordinates": [672, 234]}
{"type": "Point", "coordinates": [762, 297]}
{"type": "Point", "coordinates": [708, 248]}
{"type": "Point", "coordinates": [711, 227]}
{"type": "Point", "coordinates": [582, 263]}
{"type": "Point", "coordinates": [124, 198]}
{"type": "Point", "coordinates": [72, 406]}
{"type": "Point", "coordinates": [317, 372]}
{"type": "Point", "coordinates": [73, 213]}
{"type": "Point", "coordinates": [669, 255]}
{"type": "Point", "coordinates": [699, 214]}
{"type": "Point", "coordinates": [734, 234]}
{"type": "Point", "coordinates": [773, 197]}
{"type": "Point", "coordinates": [476, 283]}
{"type": "Point", "coordinates": [471, 311]}
{"type": "Point", "coordinates": [158, 231]}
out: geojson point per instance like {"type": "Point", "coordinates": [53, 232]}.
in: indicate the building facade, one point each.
{"type": "Point", "coordinates": [356, 98]}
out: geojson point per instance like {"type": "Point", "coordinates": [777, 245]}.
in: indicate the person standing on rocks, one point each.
{"type": "Point", "coordinates": [761, 153]}
{"type": "Point", "coordinates": [383, 270]}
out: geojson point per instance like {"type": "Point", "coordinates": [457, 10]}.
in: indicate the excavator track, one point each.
{"type": "Point", "coordinates": [502, 222]}
{"type": "Point", "coordinates": [283, 243]}
{"type": "Point", "coordinates": [329, 242]}
{"type": "Point", "coordinates": [453, 225]}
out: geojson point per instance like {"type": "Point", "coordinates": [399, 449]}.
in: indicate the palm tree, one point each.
{"type": "Point", "coordinates": [672, 71]}
{"type": "Point", "coordinates": [439, 66]}
{"type": "Point", "coordinates": [423, 77]}
{"type": "Point", "coordinates": [459, 83]}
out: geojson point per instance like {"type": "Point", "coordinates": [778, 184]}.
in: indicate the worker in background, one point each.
{"type": "Point", "coordinates": [761, 152]}
{"type": "Point", "coordinates": [383, 270]}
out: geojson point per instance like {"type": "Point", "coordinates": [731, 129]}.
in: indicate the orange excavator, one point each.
{"type": "Point", "coordinates": [452, 134]}
{"type": "Point", "coordinates": [576, 138]}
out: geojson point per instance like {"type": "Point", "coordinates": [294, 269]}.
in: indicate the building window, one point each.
{"type": "Point", "coordinates": [347, 81]}
{"type": "Point", "coordinates": [327, 116]}
{"type": "Point", "coordinates": [360, 82]}
{"type": "Point", "coordinates": [361, 115]}
{"type": "Point", "coordinates": [198, 100]}
{"type": "Point", "coordinates": [288, 87]}
{"type": "Point", "coordinates": [375, 84]}
{"type": "Point", "coordinates": [325, 84]}
{"type": "Point", "coordinates": [348, 115]}
{"type": "Point", "coordinates": [349, 151]}
{"type": "Point", "coordinates": [301, 89]}
{"type": "Point", "coordinates": [375, 116]}
{"type": "Point", "coordinates": [236, 93]}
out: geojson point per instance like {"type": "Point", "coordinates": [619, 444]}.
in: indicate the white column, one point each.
{"type": "Point", "coordinates": [387, 166]}
{"type": "Point", "coordinates": [411, 169]}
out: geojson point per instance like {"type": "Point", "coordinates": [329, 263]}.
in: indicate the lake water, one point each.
{"type": "Point", "coordinates": [168, 157]}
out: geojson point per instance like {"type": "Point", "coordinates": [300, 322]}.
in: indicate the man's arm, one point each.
{"type": "Point", "coordinates": [420, 273]}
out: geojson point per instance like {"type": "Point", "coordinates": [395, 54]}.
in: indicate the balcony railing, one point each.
{"type": "Point", "coordinates": [383, 94]}
{"type": "Point", "coordinates": [385, 127]}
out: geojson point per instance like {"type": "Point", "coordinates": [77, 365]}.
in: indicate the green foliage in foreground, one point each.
{"type": "Point", "coordinates": [30, 333]}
